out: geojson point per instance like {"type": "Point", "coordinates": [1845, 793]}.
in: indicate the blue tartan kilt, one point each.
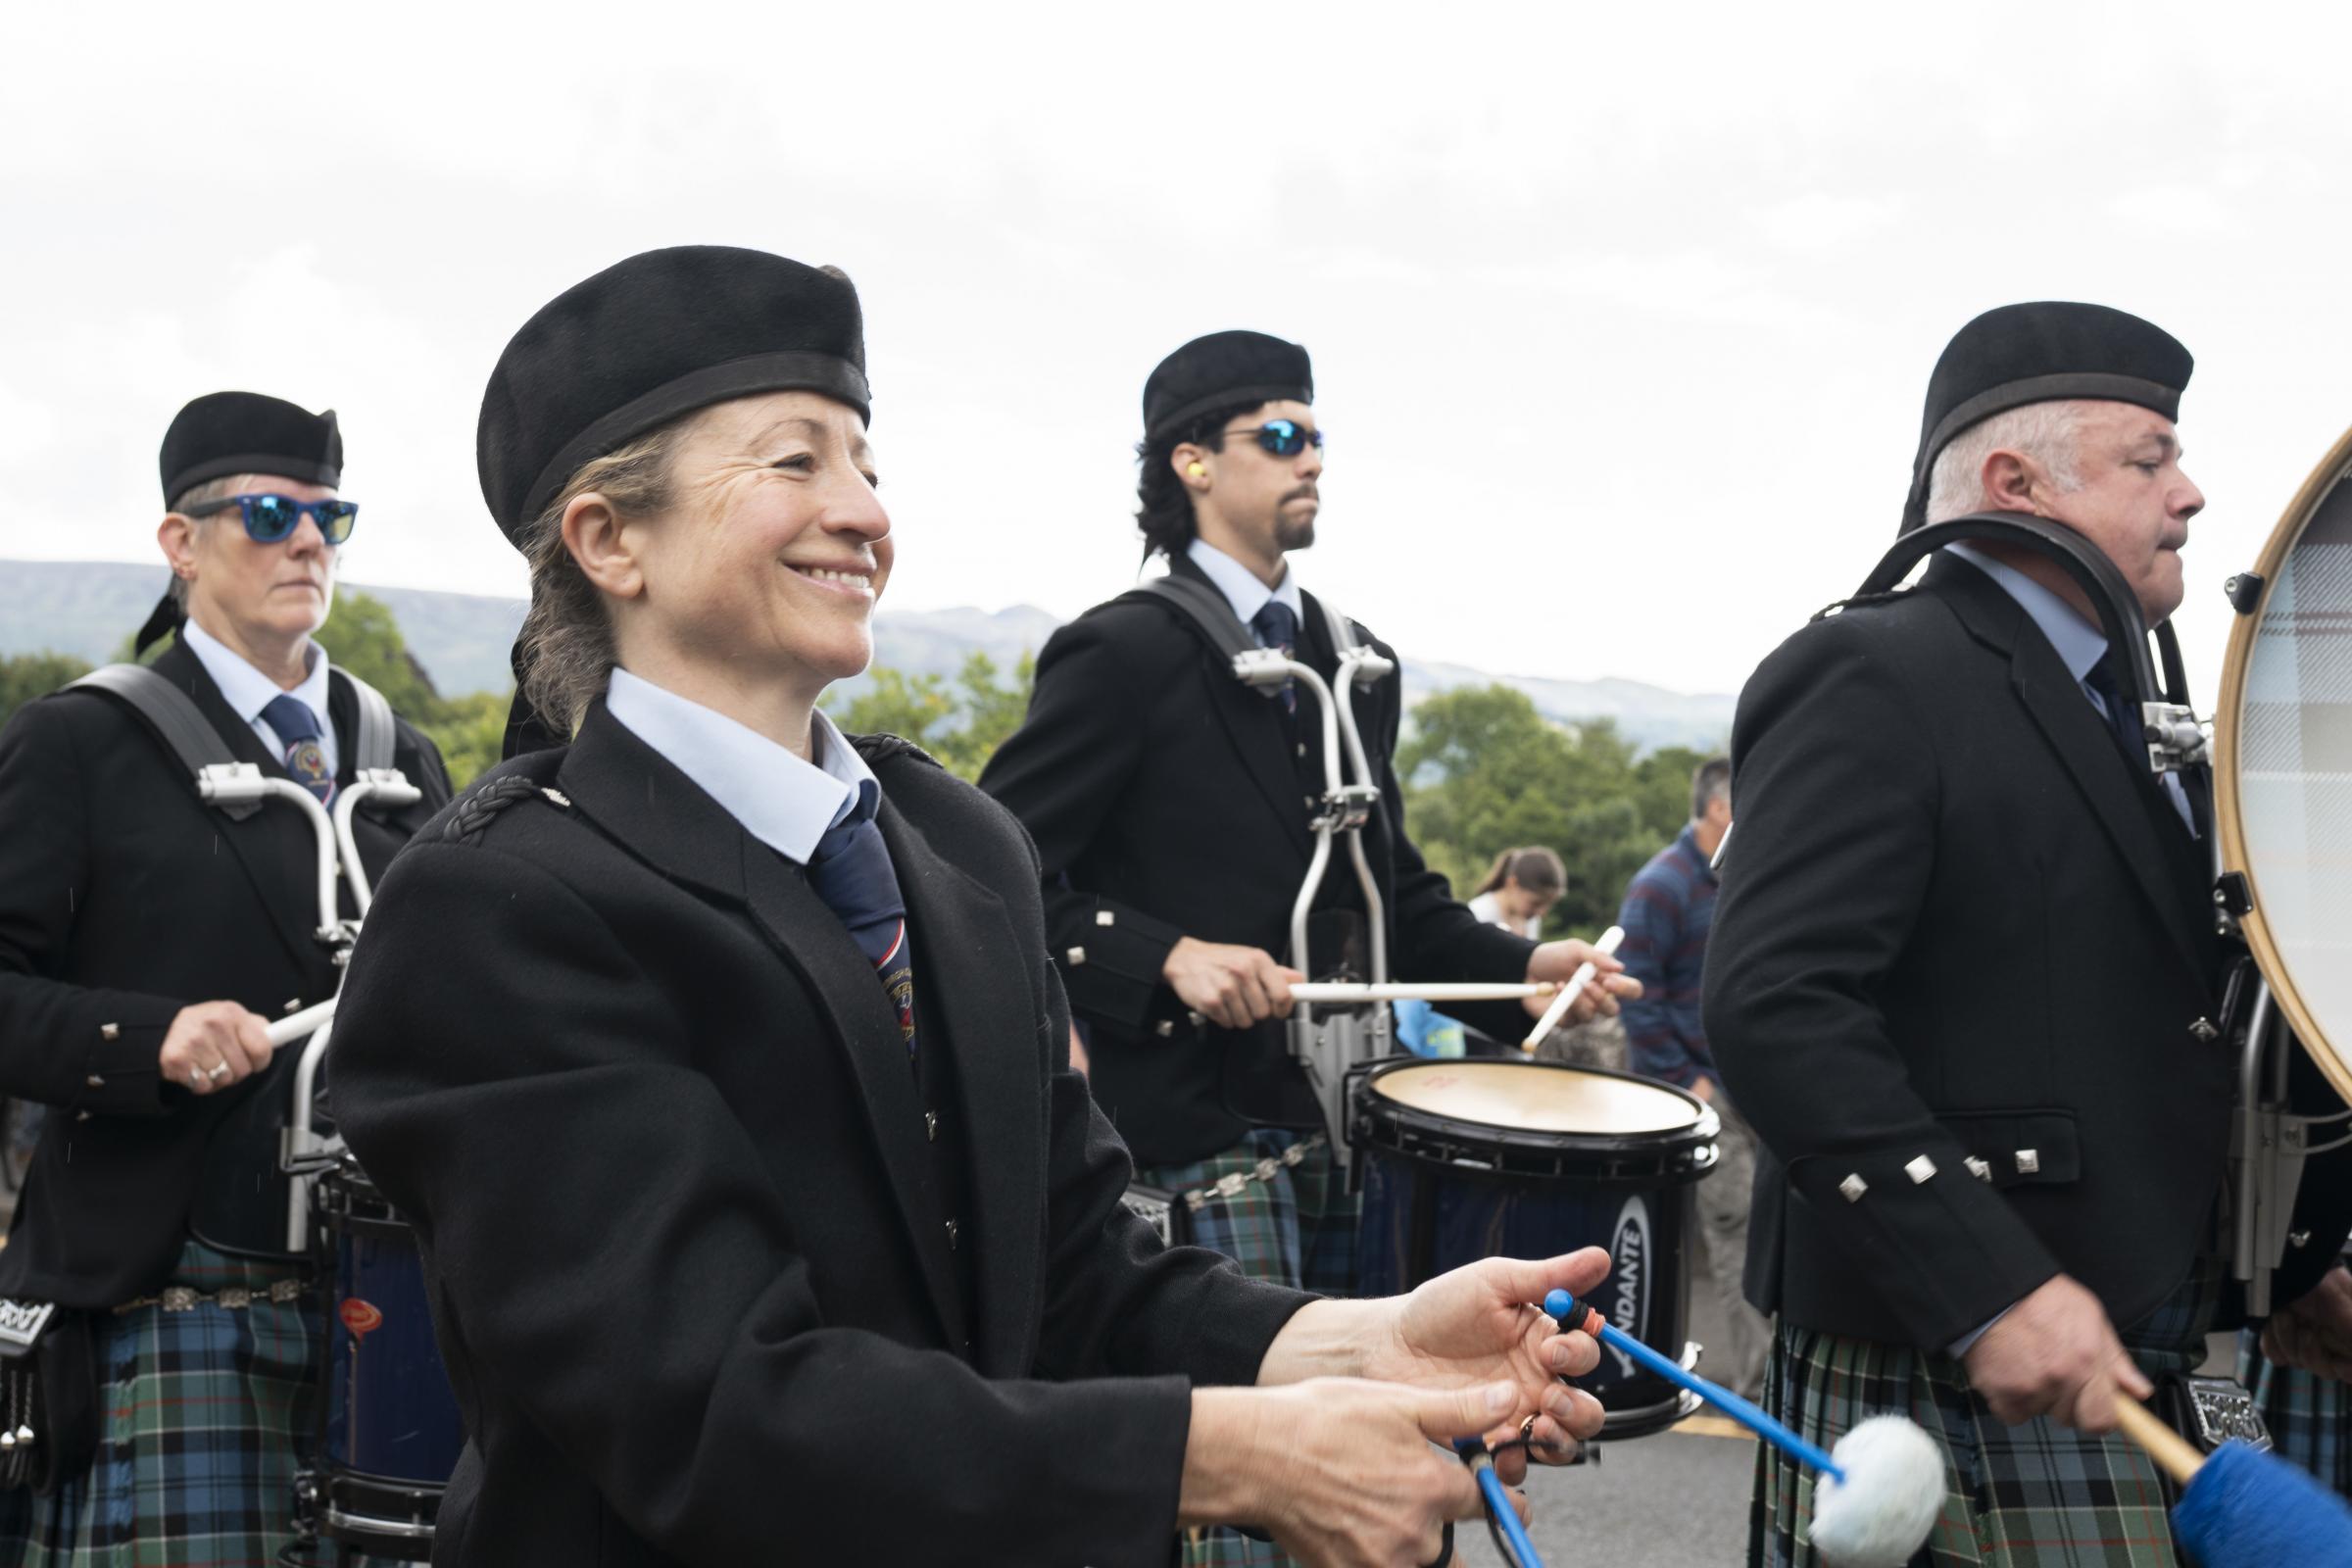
{"type": "Point", "coordinates": [201, 1418]}
{"type": "Point", "coordinates": [1296, 1228]}
{"type": "Point", "coordinates": [2035, 1495]}
{"type": "Point", "coordinates": [2310, 1417]}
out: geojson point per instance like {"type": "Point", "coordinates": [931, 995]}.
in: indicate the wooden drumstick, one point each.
{"type": "Point", "coordinates": [1606, 946]}
{"type": "Point", "coordinates": [2174, 1453]}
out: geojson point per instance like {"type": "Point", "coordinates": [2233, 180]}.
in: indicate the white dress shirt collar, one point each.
{"type": "Point", "coordinates": [246, 689]}
{"type": "Point", "coordinates": [781, 801]}
{"type": "Point", "coordinates": [2080, 645]}
{"type": "Point", "coordinates": [1239, 585]}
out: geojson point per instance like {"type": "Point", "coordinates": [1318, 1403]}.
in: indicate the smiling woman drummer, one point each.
{"type": "Point", "coordinates": [720, 1062]}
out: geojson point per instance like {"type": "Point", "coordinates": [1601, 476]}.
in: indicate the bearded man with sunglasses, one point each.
{"type": "Point", "coordinates": [146, 940]}
{"type": "Point", "coordinates": [1171, 809]}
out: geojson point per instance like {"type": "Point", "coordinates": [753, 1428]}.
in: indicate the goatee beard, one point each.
{"type": "Point", "coordinates": [1289, 536]}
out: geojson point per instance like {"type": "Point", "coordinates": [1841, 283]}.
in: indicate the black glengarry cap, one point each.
{"type": "Point", "coordinates": [247, 433]}
{"type": "Point", "coordinates": [655, 336]}
{"type": "Point", "coordinates": [1219, 371]}
{"type": "Point", "coordinates": [2044, 352]}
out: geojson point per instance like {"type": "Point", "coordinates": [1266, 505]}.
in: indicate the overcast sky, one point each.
{"type": "Point", "coordinates": [1621, 318]}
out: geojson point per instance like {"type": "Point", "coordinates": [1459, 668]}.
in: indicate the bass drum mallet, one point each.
{"type": "Point", "coordinates": [1880, 1487]}
{"type": "Point", "coordinates": [2240, 1508]}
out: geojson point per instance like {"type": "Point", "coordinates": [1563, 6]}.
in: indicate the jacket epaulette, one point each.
{"type": "Point", "coordinates": [878, 748]}
{"type": "Point", "coordinates": [473, 811]}
{"type": "Point", "coordinates": [1858, 602]}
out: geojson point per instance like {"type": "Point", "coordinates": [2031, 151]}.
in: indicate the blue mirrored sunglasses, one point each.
{"type": "Point", "coordinates": [269, 518]}
{"type": "Point", "coordinates": [1282, 437]}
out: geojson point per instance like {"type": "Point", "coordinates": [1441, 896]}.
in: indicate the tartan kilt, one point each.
{"type": "Point", "coordinates": [201, 1415]}
{"type": "Point", "coordinates": [1296, 1228]}
{"type": "Point", "coordinates": [2037, 1495]}
{"type": "Point", "coordinates": [2310, 1417]}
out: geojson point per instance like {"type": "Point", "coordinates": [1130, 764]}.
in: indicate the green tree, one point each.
{"type": "Point", "coordinates": [364, 640]}
{"type": "Point", "coordinates": [1484, 772]}
{"type": "Point", "coordinates": [29, 676]}
{"type": "Point", "coordinates": [470, 731]}
{"type": "Point", "coordinates": [896, 703]}
{"type": "Point", "coordinates": [925, 710]}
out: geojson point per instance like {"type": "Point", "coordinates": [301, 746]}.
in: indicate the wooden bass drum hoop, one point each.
{"type": "Point", "coordinates": [2230, 727]}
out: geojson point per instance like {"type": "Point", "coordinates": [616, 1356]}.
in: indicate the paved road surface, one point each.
{"type": "Point", "coordinates": [1672, 1500]}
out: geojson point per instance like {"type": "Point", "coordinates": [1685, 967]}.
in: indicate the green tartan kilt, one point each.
{"type": "Point", "coordinates": [204, 1416]}
{"type": "Point", "coordinates": [1296, 1228]}
{"type": "Point", "coordinates": [2037, 1495]}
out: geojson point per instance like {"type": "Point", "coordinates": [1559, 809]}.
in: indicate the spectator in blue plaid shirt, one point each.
{"type": "Point", "coordinates": [1668, 908]}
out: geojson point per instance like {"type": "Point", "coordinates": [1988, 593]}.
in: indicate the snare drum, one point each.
{"type": "Point", "coordinates": [1471, 1159]}
{"type": "Point", "coordinates": [392, 1431]}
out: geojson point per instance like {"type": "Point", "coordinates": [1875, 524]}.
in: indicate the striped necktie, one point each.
{"type": "Point", "coordinates": [852, 872]}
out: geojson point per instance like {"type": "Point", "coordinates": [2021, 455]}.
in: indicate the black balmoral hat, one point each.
{"type": "Point", "coordinates": [2045, 352]}
{"type": "Point", "coordinates": [245, 432]}
{"type": "Point", "coordinates": [1219, 371]}
{"type": "Point", "coordinates": [661, 334]}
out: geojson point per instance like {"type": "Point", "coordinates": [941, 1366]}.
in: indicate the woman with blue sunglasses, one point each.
{"type": "Point", "coordinates": [146, 940]}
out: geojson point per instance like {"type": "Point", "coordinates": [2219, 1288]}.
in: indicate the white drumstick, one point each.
{"type": "Point", "coordinates": [1333, 992]}
{"type": "Point", "coordinates": [1568, 993]}
{"type": "Point", "coordinates": [297, 1025]}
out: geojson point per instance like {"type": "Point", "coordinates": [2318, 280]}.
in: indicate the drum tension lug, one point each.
{"type": "Point", "coordinates": [2231, 892]}
{"type": "Point", "coordinates": [2244, 591]}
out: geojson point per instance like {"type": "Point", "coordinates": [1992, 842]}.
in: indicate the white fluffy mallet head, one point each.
{"type": "Point", "coordinates": [1893, 1492]}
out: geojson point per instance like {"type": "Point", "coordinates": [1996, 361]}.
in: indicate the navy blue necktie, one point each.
{"type": "Point", "coordinates": [2122, 719]}
{"type": "Point", "coordinates": [1278, 629]}
{"type": "Point", "coordinates": [852, 872]}
{"type": "Point", "coordinates": [297, 730]}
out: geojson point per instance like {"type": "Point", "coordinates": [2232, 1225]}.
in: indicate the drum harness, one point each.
{"type": "Point", "coordinates": [28, 1445]}
{"type": "Point", "coordinates": [2268, 1141]}
{"type": "Point", "coordinates": [1334, 1043]}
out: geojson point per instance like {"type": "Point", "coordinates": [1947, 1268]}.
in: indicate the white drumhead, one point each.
{"type": "Point", "coordinates": [1533, 1098]}
{"type": "Point", "coordinates": [2283, 784]}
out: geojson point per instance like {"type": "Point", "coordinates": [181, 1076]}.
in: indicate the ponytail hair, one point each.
{"type": "Point", "coordinates": [1534, 868]}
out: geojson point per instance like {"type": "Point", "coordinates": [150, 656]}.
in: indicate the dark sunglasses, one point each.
{"type": "Point", "coordinates": [270, 519]}
{"type": "Point", "coordinates": [1282, 438]}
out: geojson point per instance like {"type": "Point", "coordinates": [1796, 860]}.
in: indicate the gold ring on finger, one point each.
{"type": "Point", "coordinates": [1527, 1429]}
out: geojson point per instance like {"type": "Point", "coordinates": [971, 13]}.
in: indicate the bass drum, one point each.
{"type": "Point", "coordinates": [1471, 1159]}
{"type": "Point", "coordinates": [392, 1429]}
{"type": "Point", "coordinates": [2283, 780]}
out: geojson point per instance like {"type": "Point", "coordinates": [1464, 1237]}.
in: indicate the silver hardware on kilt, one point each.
{"type": "Point", "coordinates": [182, 1298]}
{"type": "Point", "coordinates": [2222, 1410]}
{"type": "Point", "coordinates": [1235, 1183]}
{"type": "Point", "coordinates": [22, 1322]}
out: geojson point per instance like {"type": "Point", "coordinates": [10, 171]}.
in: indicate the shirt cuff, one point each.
{"type": "Point", "coordinates": [1966, 1343]}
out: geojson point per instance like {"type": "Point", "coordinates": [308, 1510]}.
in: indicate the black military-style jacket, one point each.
{"type": "Point", "coordinates": [1168, 800]}
{"type": "Point", "coordinates": [1963, 980]}
{"type": "Point", "coordinates": [702, 1283]}
{"type": "Point", "coordinates": [124, 898]}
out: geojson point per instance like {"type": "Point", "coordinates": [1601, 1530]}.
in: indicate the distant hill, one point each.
{"type": "Point", "coordinates": [89, 608]}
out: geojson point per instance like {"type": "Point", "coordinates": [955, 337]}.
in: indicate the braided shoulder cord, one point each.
{"type": "Point", "coordinates": [477, 806]}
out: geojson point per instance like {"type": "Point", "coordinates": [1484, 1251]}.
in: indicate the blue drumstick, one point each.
{"type": "Point", "coordinates": [1882, 1491]}
{"type": "Point", "coordinates": [1562, 1308]}
{"type": "Point", "coordinates": [1498, 1502]}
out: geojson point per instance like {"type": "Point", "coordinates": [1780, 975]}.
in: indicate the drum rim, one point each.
{"type": "Point", "coordinates": [1707, 1129]}
{"type": "Point", "coordinates": [2228, 720]}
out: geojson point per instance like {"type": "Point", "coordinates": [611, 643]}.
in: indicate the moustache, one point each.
{"type": "Point", "coordinates": [1305, 492]}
